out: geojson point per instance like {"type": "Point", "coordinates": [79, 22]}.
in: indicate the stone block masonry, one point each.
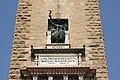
{"type": "Point", "coordinates": [84, 26]}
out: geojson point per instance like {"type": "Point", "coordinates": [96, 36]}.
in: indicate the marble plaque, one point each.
{"type": "Point", "coordinates": [58, 60]}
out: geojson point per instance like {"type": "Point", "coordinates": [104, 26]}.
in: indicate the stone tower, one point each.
{"type": "Point", "coordinates": [58, 40]}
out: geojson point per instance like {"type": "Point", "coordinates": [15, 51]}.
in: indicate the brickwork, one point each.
{"type": "Point", "coordinates": [84, 29]}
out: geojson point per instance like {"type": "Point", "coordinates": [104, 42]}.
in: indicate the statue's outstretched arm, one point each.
{"type": "Point", "coordinates": [55, 24]}
{"type": "Point", "coordinates": [50, 12]}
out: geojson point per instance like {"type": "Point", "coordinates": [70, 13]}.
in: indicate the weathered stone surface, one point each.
{"type": "Point", "coordinates": [84, 28]}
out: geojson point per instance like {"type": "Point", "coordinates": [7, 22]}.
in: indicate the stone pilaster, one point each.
{"type": "Point", "coordinates": [50, 77]}
{"type": "Point", "coordinates": [35, 78]}
{"type": "Point", "coordinates": [65, 77]}
{"type": "Point", "coordinates": [80, 77]}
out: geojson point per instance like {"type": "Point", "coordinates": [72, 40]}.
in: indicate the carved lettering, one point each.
{"type": "Point", "coordinates": [58, 60]}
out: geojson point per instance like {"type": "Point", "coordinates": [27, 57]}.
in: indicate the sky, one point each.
{"type": "Point", "coordinates": [110, 17]}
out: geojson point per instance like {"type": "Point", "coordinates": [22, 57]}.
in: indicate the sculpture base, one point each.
{"type": "Point", "coordinates": [57, 46]}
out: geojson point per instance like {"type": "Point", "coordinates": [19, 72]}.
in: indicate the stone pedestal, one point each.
{"type": "Point", "coordinates": [58, 46]}
{"type": "Point", "coordinates": [66, 37]}
{"type": "Point", "coordinates": [49, 37]}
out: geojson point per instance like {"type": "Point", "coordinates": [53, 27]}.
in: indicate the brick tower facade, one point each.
{"type": "Point", "coordinates": [77, 53]}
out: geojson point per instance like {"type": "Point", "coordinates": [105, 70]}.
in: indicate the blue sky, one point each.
{"type": "Point", "coordinates": [110, 16]}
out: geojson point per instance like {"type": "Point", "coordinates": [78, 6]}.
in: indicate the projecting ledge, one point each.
{"type": "Point", "coordinates": [42, 71]}
{"type": "Point", "coordinates": [58, 51]}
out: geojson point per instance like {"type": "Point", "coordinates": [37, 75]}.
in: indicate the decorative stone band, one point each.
{"type": "Point", "coordinates": [44, 71]}
{"type": "Point", "coordinates": [58, 46]}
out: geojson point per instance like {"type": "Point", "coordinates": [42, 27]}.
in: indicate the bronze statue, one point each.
{"type": "Point", "coordinates": [57, 30]}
